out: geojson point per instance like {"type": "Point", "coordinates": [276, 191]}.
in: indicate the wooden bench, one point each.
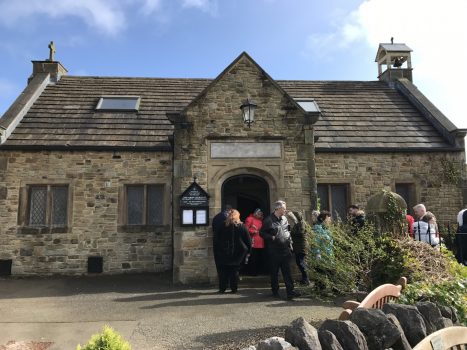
{"type": "Point", "coordinates": [376, 299]}
{"type": "Point", "coordinates": [451, 338]}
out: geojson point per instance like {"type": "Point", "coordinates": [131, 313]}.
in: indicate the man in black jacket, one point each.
{"type": "Point", "coordinates": [217, 223]}
{"type": "Point", "coordinates": [275, 231]}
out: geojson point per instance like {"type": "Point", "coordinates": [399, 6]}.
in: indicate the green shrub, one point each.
{"type": "Point", "coordinates": [367, 259]}
{"type": "Point", "coordinates": [349, 267]}
{"type": "Point", "coordinates": [447, 289]}
{"type": "Point", "coordinates": [107, 340]}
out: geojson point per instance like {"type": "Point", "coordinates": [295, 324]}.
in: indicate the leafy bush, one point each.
{"type": "Point", "coordinates": [365, 260]}
{"type": "Point", "coordinates": [448, 290]}
{"type": "Point", "coordinates": [107, 340]}
{"type": "Point", "coordinates": [349, 266]}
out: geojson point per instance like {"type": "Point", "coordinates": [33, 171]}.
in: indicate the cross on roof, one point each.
{"type": "Point", "coordinates": [51, 51]}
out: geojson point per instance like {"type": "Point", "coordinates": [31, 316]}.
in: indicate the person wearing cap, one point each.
{"type": "Point", "coordinates": [276, 233]}
{"type": "Point", "coordinates": [253, 223]}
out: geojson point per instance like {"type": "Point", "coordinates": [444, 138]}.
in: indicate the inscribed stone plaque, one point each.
{"type": "Point", "coordinates": [245, 150]}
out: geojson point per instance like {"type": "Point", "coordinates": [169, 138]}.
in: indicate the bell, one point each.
{"type": "Point", "coordinates": [397, 62]}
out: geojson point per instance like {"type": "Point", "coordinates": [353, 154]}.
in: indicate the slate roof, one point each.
{"type": "Point", "coordinates": [355, 115]}
{"type": "Point", "coordinates": [395, 47]}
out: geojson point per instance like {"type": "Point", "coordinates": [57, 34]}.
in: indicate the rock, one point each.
{"type": "Point", "coordinates": [251, 347]}
{"type": "Point", "coordinates": [431, 315]}
{"type": "Point", "coordinates": [446, 322]}
{"type": "Point", "coordinates": [329, 341]}
{"type": "Point", "coordinates": [347, 333]}
{"type": "Point", "coordinates": [275, 343]}
{"type": "Point", "coordinates": [445, 311]}
{"type": "Point", "coordinates": [402, 343]}
{"type": "Point", "coordinates": [380, 333]}
{"type": "Point", "coordinates": [410, 319]}
{"type": "Point", "coordinates": [454, 317]}
{"type": "Point", "coordinates": [302, 335]}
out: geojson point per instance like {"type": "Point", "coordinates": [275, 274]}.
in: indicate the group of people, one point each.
{"type": "Point", "coordinates": [235, 243]}
{"type": "Point", "coordinates": [423, 227]}
{"type": "Point", "coordinates": [271, 241]}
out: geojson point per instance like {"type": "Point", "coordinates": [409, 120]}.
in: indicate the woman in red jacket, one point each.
{"type": "Point", "coordinates": [253, 223]}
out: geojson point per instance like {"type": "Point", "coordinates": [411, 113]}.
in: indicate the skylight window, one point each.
{"type": "Point", "coordinates": [118, 103]}
{"type": "Point", "coordinates": [308, 104]}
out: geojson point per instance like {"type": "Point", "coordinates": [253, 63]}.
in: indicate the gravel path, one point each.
{"type": "Point", "coordinates": [148, 311]}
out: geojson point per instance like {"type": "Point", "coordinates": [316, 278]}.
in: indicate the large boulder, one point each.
{"type": "Point", "coordinates": [432, 316]}
{"type": "Point", "coordinates": [411, 321]}
{"type": "Point", "coordinates": [275, 343]}
{"type": "Point", "coordinates": [302, 335]}
{"type": "Point", "coordinates": [380, 333]}
{"type": "Point", "coordinates": [347, 333]}
{"type": "Point", "coordinates": [329, 341]}
{"type": "Point", "coordinates": [402, 343]}
{"type": "Point", "coordinates": [379, 212]}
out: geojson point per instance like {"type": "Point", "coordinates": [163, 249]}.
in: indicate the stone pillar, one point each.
{"type": "Point", "coordinates": [310, 151]}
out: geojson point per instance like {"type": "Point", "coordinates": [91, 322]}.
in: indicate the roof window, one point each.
{"type": "Point", "coordinates": [118, 103]}
{"type": "Point", "coordinates": [309, 105]}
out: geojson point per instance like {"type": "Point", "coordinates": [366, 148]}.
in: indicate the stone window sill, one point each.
{"type": "Point", "coordinates": [142, 228]}
{"type": "Point", "coordinates": [34, 230]}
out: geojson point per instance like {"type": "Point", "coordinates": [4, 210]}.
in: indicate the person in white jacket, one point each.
{"type": "Point", "coordinates": [426, 230]}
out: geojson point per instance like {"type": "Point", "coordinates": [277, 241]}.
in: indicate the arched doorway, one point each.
{"type": "Point", "coordinates": [246, 193]}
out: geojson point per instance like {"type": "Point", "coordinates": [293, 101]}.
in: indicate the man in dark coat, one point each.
{"type": "Point", "coordinates": [217, 222]}
{"type": "Point", "coordinates": [275, 231]}
{"type": "Point", "coordinates": [461, 237]}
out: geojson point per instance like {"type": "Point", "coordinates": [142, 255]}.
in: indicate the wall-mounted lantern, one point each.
{"type": "Point", "coordinates": [248, 108]}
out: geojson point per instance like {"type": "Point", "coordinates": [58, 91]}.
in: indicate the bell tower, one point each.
{"type": "Point", "coordinates": [397, 61]}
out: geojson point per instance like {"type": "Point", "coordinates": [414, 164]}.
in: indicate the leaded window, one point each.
{"type": "Point", "coordinates": [48, 205]}
{"type": "Point", "coordinates": [145, 204]}
{"type": "Point", "coordinates": [335, 199]}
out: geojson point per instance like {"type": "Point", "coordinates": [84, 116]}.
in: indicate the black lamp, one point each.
{"type": "Point", "coordinates": [248, 108]}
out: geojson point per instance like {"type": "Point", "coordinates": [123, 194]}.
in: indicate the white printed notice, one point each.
{"type": "Point", "coordinates": [201, 217]}
{"type": "Point", "coordinates": [187, 217]}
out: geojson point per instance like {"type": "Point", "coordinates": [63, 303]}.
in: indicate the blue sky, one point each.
{"type": "Point", "coordinates": [294, 39]}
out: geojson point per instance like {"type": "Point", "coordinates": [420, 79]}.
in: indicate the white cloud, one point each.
{"type": "Point", "coordinates": [209, 6]}
{"type": "Point", "coordinates": [105, 16]}
{"type": "Point", "coordinates": [151, 6]}
{"type": "Point", "coordinates": [435, 31]}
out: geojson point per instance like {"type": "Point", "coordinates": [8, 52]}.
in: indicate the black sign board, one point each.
{"type": "Point", "coordinates": [194, 196]}
{"type": "Point", "coordinates": [194, 206]}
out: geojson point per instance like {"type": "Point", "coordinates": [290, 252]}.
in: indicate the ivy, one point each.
{"type": "Point", "coordinates": [451, 172]}
{"type": "Point", "coordinates": [395, 213]}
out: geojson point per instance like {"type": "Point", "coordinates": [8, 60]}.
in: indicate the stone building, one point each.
{"type": "Point", "coordinates": [112, 175]}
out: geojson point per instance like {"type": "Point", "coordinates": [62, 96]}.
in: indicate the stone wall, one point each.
{"type": "Point", "coordinates": [368, 173]}
{"type": "Point", "coordinates": [216, 117]}
{"type": "Point", "coordinates": [96, 182]}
